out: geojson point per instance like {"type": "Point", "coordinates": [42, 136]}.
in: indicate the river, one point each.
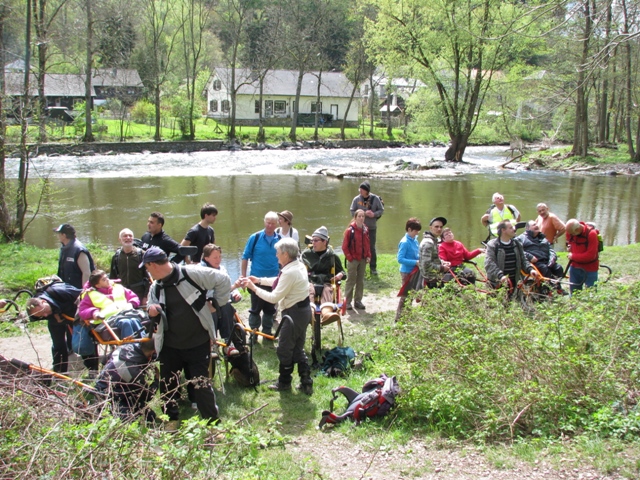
{"type": "Point", "coordinates": [100, 195]}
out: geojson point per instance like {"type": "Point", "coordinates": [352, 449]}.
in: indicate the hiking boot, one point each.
{"type": "Point", "coordinates": [280, 387]}
{"type": "Point", "coordinates": [231, 351]}
{"type": "Point", "coordinates": [359, 305]}
{"type": "Point", "coordinates": [306, 389]}
{"type": "Point", "coordinates": [349, 306]}
{"type": "Point", "coordinates": [374, 272]}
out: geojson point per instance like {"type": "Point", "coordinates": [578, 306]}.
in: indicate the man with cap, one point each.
{"type": "Point", "coordinates": [260, 249]}
{"type": "Point", "coordinates": [184, 334]}
{"type": "Point", "coordinates": [324, 267]}
{"type": "Point", "coordinates": [373, 209]}
{"type": "Point", "coordinates": [285, 219]}
{"type": "Point", "coordinates": [75, 263]}
{"type": "Point", "coordinates": [431, 267]}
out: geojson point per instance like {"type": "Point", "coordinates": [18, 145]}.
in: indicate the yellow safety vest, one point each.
{"type": "Point", "coordinates": [107, 306]}
{"type": "Point", "coordinates": [495, 218]}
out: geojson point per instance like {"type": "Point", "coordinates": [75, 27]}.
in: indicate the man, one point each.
{"type": "Point", "coordinates": [125, 265]}
{"type": "Point", "coordinates": [56, 303]}
{"type": "Point", "coordinates": [550, 225]}
{"type": "Point", "coordinates": [75, 263]}
{"type": "Point", "coordinates": [505, 258]}
{"type": "Point", "coordinates": [291, 290]}
{"type": "Point", "coordinates": [201, 234]}
{"type": "Point", "coordinates": [184, 334]}
{"type": "Point", "coordinates": [324, 267]}
{"type": "Point", "coordinates": [373, 209]}
{"type": "Point", "coordinates": [431, 267]}
{"type": "Point", "coordinates": [156, 236]}
{"type": "Point", "coordinates": [539, 251]}
{"type": "Point", "coordinates": [582, 244]}
{"type": "Point", "coordinates": [260, 250]}
{"type": "Point", "coordinates": [498, 212]}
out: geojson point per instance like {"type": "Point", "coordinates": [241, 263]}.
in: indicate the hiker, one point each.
{"type": "Point", "coordinates": [550, 225]}
{"type": "Point", "coordinates": [454, 252]}
{"type": "Point", "coordinates": [128, 381]}
{"type": "Point", "coordinates": [201, 233]}
{"type": "Point", "coordinates": [260, 250]}
{"type": "Point", "coordinates": [325, 268]}
{"type": "Point", "coordinates": [357, 251]}
{"type": "Point", "coordinates": [56, 303]}
{"type": "Point", "coordinates": [539, 251]}
{"type": "Point", "coordinates": [291, 289]}
{"type": "Point", "coordinates": [582, 244]}
{"type": "Point", "coordinates": [505, 259]}
{"type": "Point", "coordinates": [431, 267]}
{"type": "Point", "coordinates": [125, 266]}
{"type": "Point", "coordinates": [498, 212]}
{"type": "Point", "coordinates": [184, 334]}
{"type": "Point", "coordinates": [156, 236]}
{"type": "Point", "coordinates": [285, 220]}
{"type": "Point", "coordinates": [75, 263]}
{"type": "Point", "coordinates": [102, 298]}
{"type": "Point", "coordinates": [373, 209]}
{"type": "Point", "coordinates": [408, 257]}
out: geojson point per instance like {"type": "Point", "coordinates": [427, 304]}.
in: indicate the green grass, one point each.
{"type": "Point", "coordinates": [601, 156]}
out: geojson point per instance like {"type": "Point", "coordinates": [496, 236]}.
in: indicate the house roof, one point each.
{"type": "Point", "coordinates": [283, 82]}
{"type": "Point", "coordinates": [113, 77]}
{"type": "Point", "coordinates": [55, 85]}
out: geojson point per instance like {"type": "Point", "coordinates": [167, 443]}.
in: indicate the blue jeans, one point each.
{"type": "Point", "coordinates": [579, 277]}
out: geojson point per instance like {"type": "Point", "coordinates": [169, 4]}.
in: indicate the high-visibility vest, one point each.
{"type": "Point", "coordinates": [107, 306]}
{"type": "Point", "coordinates": [495, 218]}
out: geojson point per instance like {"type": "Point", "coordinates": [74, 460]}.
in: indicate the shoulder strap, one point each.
{"type": "Point", "coordinates": [255, 241]}
{"type": "Point", "coordinates": [512, 210]}
{"type": "Point", "coordinates": [202, 299]}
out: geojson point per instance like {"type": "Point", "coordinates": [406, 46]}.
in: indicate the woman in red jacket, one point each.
{"type": "Point", "coordinates": [357, 250]}
{"type": "Point", "coordinates": [582, 244]}
{"type": "Point", "coordinates": [454, 252]}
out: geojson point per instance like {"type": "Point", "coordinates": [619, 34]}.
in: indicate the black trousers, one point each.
{"type": "Point", "coordinates": [293, 335]}
{"type": "Point", "coordinates": [196, 360]}
{"type": "Point", "coordinates": [59, 351]}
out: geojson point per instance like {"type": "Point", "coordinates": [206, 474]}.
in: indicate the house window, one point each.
{"type": "Point", "coordinates": [213, 105]}
{"type": "Point", "coordinates": [316, 107]}
{"type": "Point", "coordinates": [366, 90]}
{"type": "Point", "coordinates": [279, 106]}
{"type": "Point", "coordinates": [257, 106]}
{"type": "Point", "coordinates": [225, 106]}
{"type": "Point", "coordinates": [268, 108]}
{"type": "Point", "coordinates": [217, 84]}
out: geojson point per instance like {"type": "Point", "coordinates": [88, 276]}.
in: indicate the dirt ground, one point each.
{"type": "Point", "coordinates": [331, 455]}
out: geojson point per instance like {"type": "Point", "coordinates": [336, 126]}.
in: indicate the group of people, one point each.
{"type": "Point", "coordinates": [439, 258]}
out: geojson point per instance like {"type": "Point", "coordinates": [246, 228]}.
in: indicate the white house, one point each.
{"type": "Point", "coordinates": [278, 95]}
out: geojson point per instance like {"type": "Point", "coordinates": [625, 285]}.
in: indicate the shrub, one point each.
{"type": "Point", "coordinates": [143, 111]}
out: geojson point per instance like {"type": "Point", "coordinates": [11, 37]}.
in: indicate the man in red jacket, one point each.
{"type": "Point", "coordinates": [582, 243]}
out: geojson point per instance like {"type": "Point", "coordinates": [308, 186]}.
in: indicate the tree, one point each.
{"type": "Point", "coordinates": [116, 40]}
{"type": "Point", "coordinates": [88, 134]}
{"type": "Point", "coordinates": [458, 46]}
{"type": "Point", "coordinates": [357, 70]}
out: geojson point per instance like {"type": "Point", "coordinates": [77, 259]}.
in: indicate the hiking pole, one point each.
{"type": "Point", "coordinates": [34, 368]}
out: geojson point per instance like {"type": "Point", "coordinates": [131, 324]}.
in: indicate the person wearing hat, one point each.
{"type": "Point", "coordinates": [184, 334]}
{"type": "Point", "coordinates": [431, 267]}
{"type": "Point", "coordinates": [75, 263]}
{"type": "Point", "coordinates": [324, 267]}
{"type": "Point", "coordinates": [373, 209]}
{"type": "Point", "coordinates": [285, 219]}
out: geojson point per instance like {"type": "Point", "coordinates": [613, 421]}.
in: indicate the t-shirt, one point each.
{"type": "Point", "coordinates": [200, 237]}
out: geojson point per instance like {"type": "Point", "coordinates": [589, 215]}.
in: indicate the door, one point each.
{"type": "Point", "coordinates": [334, 111]}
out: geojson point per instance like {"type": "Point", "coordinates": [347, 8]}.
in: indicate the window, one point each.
{"type": "Point", "coordinates": [279, 106]}
{"type": "Point", "coordinates": [213, 105]}
{"type": "Point", "coordinates": [257, 106]}
{"type": "Point", "coordinates": [316, 107]}
{"type": "Point", "coordinates": [366, 90]}
{"type": "Point", "coordinates": [217, 84]}
{"type": "Point", "coordinates": [225, 106]}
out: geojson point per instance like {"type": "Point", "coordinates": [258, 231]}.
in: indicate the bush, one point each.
{"type": "Point", "coordinates": [144, 112]}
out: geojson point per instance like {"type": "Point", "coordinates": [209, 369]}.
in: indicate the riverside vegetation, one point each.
{"type": "Point", "coordinates": [559, 383]}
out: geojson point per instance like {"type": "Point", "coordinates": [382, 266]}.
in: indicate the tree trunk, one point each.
{"type": "Point", "coordinates": [603, 110]}
{"type": "Point", "coordinates": [628, 74]}
{"type": "Point", "coordinates": [39, 11]}
{"type": "Point", "coordinates": [318, 108]}
{"type": "Point", "coordinates": [296, 107]}
{"type": "Point", "coordinates": [261, 136]}
{"type": "Point", "coordinates": [88, 134]}
{"type": "Point", "coordinates": [389, 128]}
{"type": "Point", "coordinates": [156, 100]}
{"type": "Point", "coordinates": [5, 218]}
{"type": "Point", "coordinates": [346, 112]}
{"type": "Point", "coordinates": [456, 150]}
{"type": "Point", "coordinates": [23, 170]}
{"type": "Point", "coordinates": [372, 98]}
{"type": "Point", "coordinates": [581, 126]}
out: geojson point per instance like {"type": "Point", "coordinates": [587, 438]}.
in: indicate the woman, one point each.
{"type": "Point", "coordinates": [454, 252]}
{"type": "Point", "coordinates": [291, 289]}
{"type": "Point", "coordinates": [285, 219]}
{"type": "Point", "coordinates": [102, 298]}
{"type": "Point", "coordinates": [357, 249]}
{"type": "Point", "coordinates": [408, 258]}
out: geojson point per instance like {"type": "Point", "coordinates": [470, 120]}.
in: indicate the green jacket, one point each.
{"type": "Point", "coordinates": [319, 266]}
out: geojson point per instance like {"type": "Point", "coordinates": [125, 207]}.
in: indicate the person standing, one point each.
{"type": "Point", "coordinates": [582, 244]}
{"type": "Point", "coordinates": [373, 209]}
{"type": "Point", "coordinates": [357, 250]}
{"type": "Point", "coordinates": [125, 265]}
{"type": "Point", "coordinates": [431, 267]}
{"type": "Point", "coordinates": [156, 236]}
{"type": "Point", "coordinates": [285, 219]}
{"type": "Point", "coordinates": [260, 250]}
{"type": "Point", "coordinates": [550, 225]}
{"type": "Point", "coordinates": [498, 212]}
{"type": "Point", "coordinates": [408, 258]}
{"type": "Point", "coordinates": [291, 290]}
{"type": "Point", "coordinates": [184, 334]}
{"type": "Point", "coordinates": [201, 234]}
{"type": "Point", "coordinates": [75, 263]}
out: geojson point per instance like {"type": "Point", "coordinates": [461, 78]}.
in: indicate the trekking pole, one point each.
{"type": "Point", "coordinates": [34, 368]}
{"type": "Point", "coordinates": [8, 304]}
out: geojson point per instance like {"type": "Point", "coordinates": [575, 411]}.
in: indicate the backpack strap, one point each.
{"type": "Point", "coordinates": [200, 302]}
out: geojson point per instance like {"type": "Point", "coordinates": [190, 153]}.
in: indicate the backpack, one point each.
{"type": "Point", "coordinates": [592, 226]}
{"type": "Point", "coordinates": [43, 283]}
{"type": "Point", "coordinates": [200, 301]}
{"type": "Point", "coordinates": [337, 361]}
{"type": "Point", "coordinates": [377, 398]}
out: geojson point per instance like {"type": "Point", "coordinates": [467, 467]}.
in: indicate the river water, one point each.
{"type": "Point", "coordinates": [100, 195]}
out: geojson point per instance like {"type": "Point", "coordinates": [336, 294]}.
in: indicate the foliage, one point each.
{"type": "Point", "coordinates": [143, 112]}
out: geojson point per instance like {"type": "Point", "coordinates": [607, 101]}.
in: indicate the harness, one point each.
{"type": "Point", "coordinates": [107, 306]}
{"type": "Point", "coordinates": [198, 300]}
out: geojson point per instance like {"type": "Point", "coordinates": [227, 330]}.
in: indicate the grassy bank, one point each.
{"type": "Point", "coordinates": [479, 376]}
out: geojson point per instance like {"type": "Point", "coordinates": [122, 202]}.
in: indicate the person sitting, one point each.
{"type": "Point", "coordinates": [498, 212]}
{"type": "Point", "coordinates": [505, 259]}
{"type": "Point", "coordinates": [325, 268]}
{"type": "Point", "coordinates": [125, 381]}
{"type": "Point", "coordinates": [454, 252]}
{"type": "Point", "coordinates": [102, 298]}
{"type": "Point", "coordinates": [539, 251]}
{"type": "Point", "coordinates": [431, 267]}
